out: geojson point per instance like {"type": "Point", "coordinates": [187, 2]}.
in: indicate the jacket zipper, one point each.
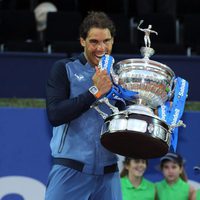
{"type": "Point", "coordinates": [64, 133]}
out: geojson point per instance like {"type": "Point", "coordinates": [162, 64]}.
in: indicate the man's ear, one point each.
{"type": "Point", "coordinates": [113, 40]}
{"type": "Point", "coordinates": [82, 42]}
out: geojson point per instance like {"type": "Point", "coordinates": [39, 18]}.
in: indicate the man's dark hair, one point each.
{"type": "Point", "coordinates": [96, 20]}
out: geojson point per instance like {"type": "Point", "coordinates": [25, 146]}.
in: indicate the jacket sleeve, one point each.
{"type": "Point", "coordinates": [61, 109]}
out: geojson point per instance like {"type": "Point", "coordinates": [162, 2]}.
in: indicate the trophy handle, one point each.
{"type": "Point", "coordinates": [106, 101]}
{"type": "Point", "coordinates": [180, 123]}
{"type": "Point", "coordinates": [103, 115]}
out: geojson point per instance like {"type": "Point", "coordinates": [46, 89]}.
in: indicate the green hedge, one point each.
{"type": "Point", "coordinates": [40, 103]}
{"type": "Point", "coordinates": [22, 103]}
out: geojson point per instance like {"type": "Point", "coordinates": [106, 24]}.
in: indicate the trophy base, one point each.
{"type": "Point", "coordinates": [135, 145]}
{"type": "Point", "coordinates": [147, 52]}
{"type": "Point", "coordinates": [136, 135]}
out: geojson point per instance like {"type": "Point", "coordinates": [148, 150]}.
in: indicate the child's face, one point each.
{"type": "Point", "coordinates": [171, 171]}
{"type": "Point", "coordinates": [136, 167]}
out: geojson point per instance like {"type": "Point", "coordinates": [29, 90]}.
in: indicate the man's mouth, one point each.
{"type": "Point", "coordinates": [100, 56]}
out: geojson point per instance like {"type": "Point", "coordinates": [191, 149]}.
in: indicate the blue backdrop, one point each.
{"type": "Point", "coordinates": [25, 154]}
{"type": "Point", "coordinates": [24, 141]}
{"type": "Point", "coordinates": [24, 75]}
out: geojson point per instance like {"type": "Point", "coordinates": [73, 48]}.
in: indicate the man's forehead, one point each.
{"type": "Point", "coordinates": [98, 33]}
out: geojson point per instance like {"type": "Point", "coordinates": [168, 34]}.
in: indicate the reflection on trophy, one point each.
{"type": "Point", "coordinates": [154, 100]}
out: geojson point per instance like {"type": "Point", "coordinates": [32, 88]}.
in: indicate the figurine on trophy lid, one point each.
{"type": "Point", "coordinates": [146, 51]}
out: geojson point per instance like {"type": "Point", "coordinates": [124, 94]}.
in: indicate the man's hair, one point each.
{"type": "Point", "coordinates": [96, 20]}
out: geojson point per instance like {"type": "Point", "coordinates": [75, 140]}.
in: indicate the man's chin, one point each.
{"type": "Point", "coordinates": [95, 63]}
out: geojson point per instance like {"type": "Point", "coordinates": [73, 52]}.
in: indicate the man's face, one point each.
{"type": "Point", "coordinates": [98, 42]}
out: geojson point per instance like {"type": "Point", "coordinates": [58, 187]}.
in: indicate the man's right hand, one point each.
{"type": "Point", "coordinates": [102, 81]}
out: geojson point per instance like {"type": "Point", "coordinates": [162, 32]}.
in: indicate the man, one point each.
{"type": "Point", "coordinates": [83, 169]}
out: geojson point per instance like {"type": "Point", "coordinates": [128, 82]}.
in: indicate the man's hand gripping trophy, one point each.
{"type": "Point", "coordinates": [108, 89]}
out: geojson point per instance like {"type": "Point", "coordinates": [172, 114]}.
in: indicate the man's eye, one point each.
{"type": "Point", "coordinates": [107, 41]}
{"type": "Point", "coordinates": [93, 42]}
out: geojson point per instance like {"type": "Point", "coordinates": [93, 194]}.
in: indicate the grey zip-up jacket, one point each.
{"type": "Point", "coordinates": [77, 127]}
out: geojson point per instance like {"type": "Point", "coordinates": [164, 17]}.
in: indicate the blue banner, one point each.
{"type": "Point", "coordinates": [172, 114]}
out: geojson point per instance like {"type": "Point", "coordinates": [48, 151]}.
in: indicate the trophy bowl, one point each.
{"type": "Point", "coordinates": [152, 80]}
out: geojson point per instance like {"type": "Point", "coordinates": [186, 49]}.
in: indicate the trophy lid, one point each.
{"type": "Point", "coordinates": [146, 51]}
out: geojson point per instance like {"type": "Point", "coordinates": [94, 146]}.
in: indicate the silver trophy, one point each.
{"type": "Point", "coordinates": [138, 131]}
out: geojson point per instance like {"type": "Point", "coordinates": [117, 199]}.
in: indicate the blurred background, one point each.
{"type": "Point", "coordinates": [34, 34]}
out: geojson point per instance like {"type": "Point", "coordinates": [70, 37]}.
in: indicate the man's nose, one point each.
{"type": "Point", "coordinates": [101, 45]}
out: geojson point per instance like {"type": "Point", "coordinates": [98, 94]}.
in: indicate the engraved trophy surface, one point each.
{"type": "Point", "coordinates": [137, 130]}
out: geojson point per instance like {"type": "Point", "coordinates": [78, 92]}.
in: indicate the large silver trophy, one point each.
{"type": "Point", "coordinates": [144, 128]}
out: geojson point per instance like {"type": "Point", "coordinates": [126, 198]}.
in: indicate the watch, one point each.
{"type": "Point", "coordinates": [94, 90]}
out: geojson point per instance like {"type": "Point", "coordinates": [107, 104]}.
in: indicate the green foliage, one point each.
{"type": "Point", "coordinates": [22, 103]}
{"type": "Point", "coordinates": [192, 106]}
{"type": "Point", "coordinates": [40, 103]}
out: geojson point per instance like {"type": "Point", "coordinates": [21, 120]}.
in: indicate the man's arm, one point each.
{"type": "Point", "coordinates": [60, 108]}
